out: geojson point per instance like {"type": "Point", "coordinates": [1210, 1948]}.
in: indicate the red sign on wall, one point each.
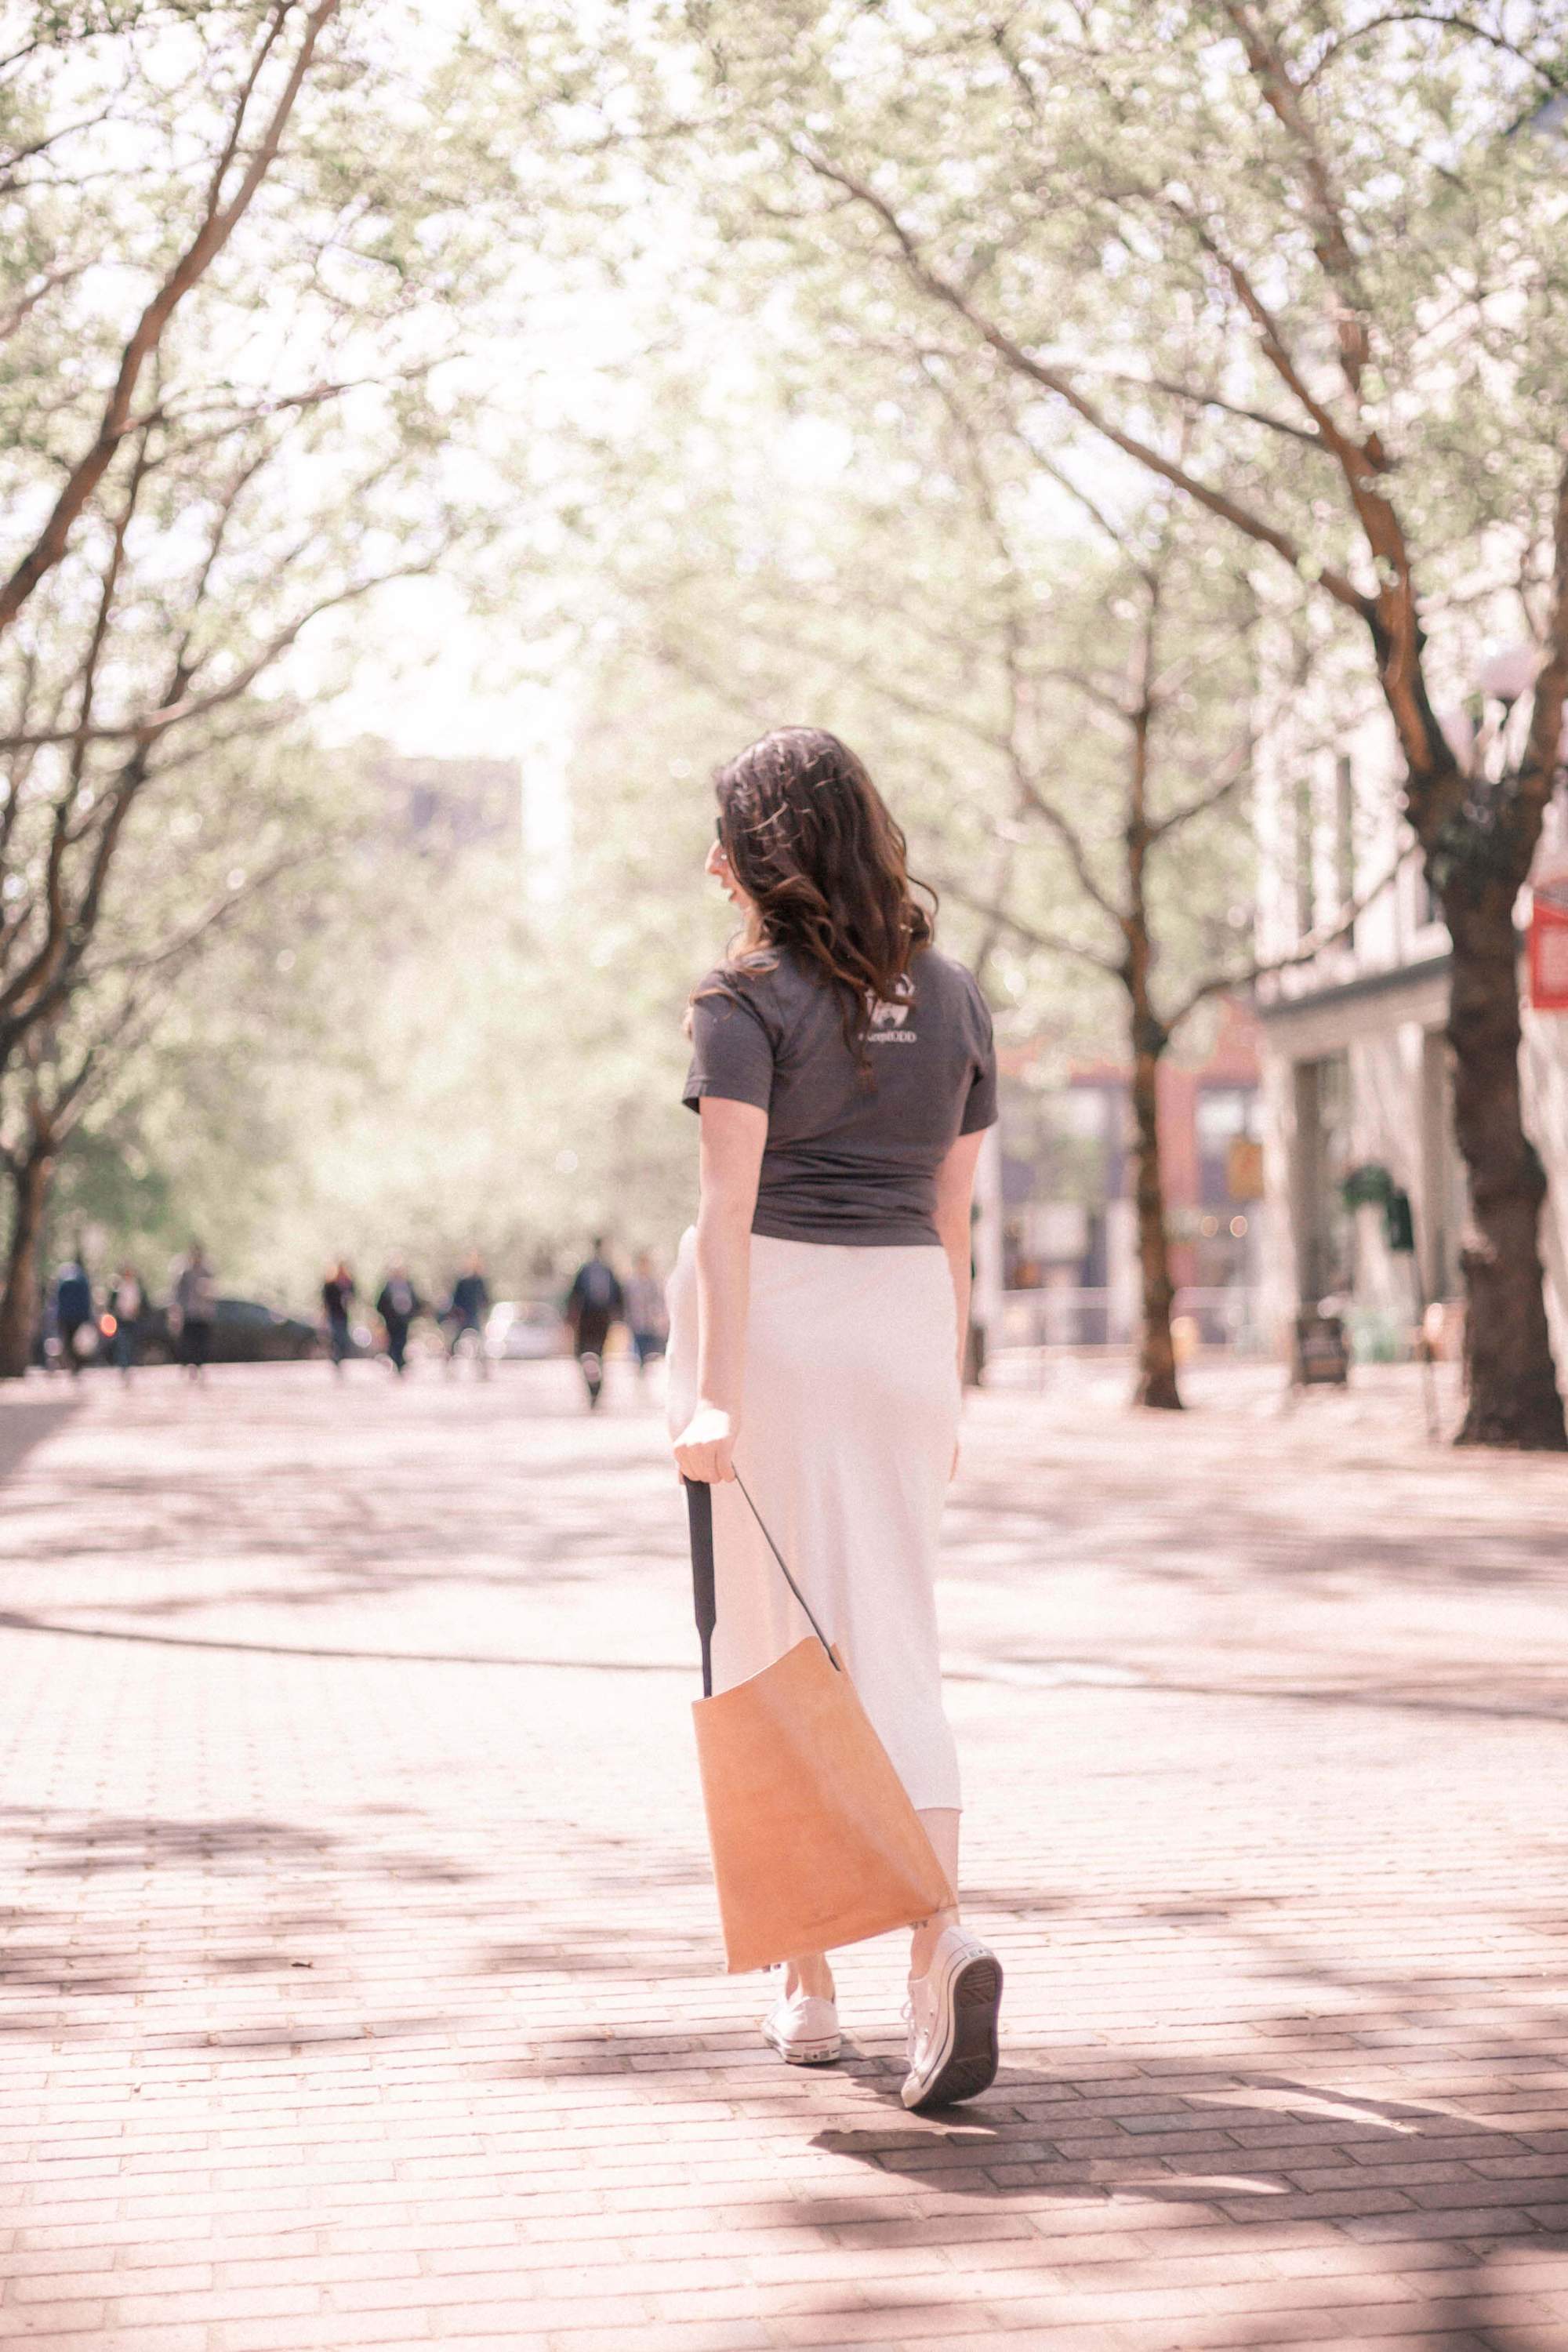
{"type": "Point", "coordinates": [1549, 937]}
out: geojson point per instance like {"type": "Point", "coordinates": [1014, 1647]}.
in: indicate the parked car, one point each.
{"type": "Point", "coordinates": [243, 1332]}
{"type": "Point", "coordinates": [524, 1330]}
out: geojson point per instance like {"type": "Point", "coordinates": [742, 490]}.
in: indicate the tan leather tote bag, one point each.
{"type": "Point", "coordinates": [815, 1843]}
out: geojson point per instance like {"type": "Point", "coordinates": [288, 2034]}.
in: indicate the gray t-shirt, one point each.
{"type": "Point", "coordinates": [847, 1160]}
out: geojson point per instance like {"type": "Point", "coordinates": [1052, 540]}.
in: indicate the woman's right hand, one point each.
{"type": "Point", "coordinates": [705, 1450]}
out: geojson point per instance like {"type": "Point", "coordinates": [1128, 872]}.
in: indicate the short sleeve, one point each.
{"type": "Point", "coordinates": [732, 1053]}
{"type": "Point", "coordinates": [980, 1103]}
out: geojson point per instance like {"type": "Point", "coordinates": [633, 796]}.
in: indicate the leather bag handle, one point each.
{"type": "Point", "coordinates": [700, 1520]}
{"type": "Point", "coordinates": [704, 1592]}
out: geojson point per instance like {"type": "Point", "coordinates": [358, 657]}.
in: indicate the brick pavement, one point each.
{"type": "Point", "coordinates": [359, 1981]}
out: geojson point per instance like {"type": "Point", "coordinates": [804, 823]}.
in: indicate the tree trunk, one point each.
{"type": "Point", "coordinates": [1148, 1037]}
{"type": "Point", "coordinates": [1510, 1381]}
{"type": "Point", "coordinates": [1156, 1350]}
{"type": "Point", "coordinates": [31, 1175]}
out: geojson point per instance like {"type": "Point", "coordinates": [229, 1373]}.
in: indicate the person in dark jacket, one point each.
{"type": "Point", "coordinates": [397, 1304]}
{"type": "Point", "coordinates": [127, 1306]}
{"type": "Point", "coordinates": [337, 1299]}
{"type": "Point", "coordinates": [466, 1312]}
{"type": "Point", "coordinates": [73, 1311]}
{"type": "Point", "coordinates": [195, 1310]}
{"type": "Point", "coordinates": [593, 1303]}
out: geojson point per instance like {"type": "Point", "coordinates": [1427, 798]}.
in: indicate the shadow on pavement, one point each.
{"type": "Point", "coordinates": [1455, 2203]}
{"type": "Point", "coordinates": [290, 1900]}
{"type": "Point", "coordinates": [27, 1420]}
{"type": "Point", "coordinates": [22, 1621]}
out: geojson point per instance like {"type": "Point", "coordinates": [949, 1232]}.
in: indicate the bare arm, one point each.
{"type": "Point", "coordinates": [954, 1192]}
{"type": "Point", "coordinates": [733, 1134]}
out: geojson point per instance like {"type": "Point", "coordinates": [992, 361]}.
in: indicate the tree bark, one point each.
{"type": "Point", "coordinates": [1157, 1385]}
{"type": "Point", "coordinates": [1147, 1036]}
{"type": "Point", "coordinates": [31, 1174]}
{"type": "Point", "coordinates": [1510, 1381]}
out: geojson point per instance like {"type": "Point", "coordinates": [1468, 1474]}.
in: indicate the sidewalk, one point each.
{"type": "Point", "coordinates": [360, 1976]}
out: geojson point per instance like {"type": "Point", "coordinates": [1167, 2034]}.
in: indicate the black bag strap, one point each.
{"type": "Point", "coordinates": [699, 1519]}
{"type": "Point", "coordinates": [704, 1594]}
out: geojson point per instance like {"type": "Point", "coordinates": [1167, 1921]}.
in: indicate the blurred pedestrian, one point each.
{"type": "Point", "coordinates": [465, 1316]}
{"type": "Point", "coordinates": [397, 1304]}
{"type": "Point", "coordinates": [127, 1305]}
{"type": "Point", "coordinates": [195, 1310]}
{"type": "Point", "coordinates": [647, 1319]}
{"type": "Point", "coordinates": [593, 1303]}
{"type": "Point", "coordinates": [337, 1299]}
{"type": "Point", "coordinates": [73, 1312]}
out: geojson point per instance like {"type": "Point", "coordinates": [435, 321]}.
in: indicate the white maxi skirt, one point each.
{"type": "Point", "coordinates": [848, 1426]}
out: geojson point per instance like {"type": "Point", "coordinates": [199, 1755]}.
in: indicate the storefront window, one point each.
{"type": "Point", "coordinates": [1324, 1157]}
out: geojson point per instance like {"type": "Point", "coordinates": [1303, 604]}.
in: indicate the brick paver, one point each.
{"type": "Point", "coordinates": [360, 1979]}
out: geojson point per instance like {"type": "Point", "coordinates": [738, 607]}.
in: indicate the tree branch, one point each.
{"type": "Point", "coordinates": [1051, 942]}
{"type": "Point", "coordinates": [1052, 379]}
{"type": "Point", "coordinates": [1543, 754]}
{"type": "Point", "coordinates": [1550, 83]}
{"type": "Point", "coordinates": [218, 221]}
{"type": "Point", "coordinates": [1228, 777]}
{"type": "Point", "coordinates": [26, 304]}
{"type": "Point", "coordinates": [1330, 238]}
{"type": "Point", "coordinates": [1229, 983]}
{"type": "Point", "coordinates": [153, 723]}
{"type": "Point", "coordinates": [1197, 396]}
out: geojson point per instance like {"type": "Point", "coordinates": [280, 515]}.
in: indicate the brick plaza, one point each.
{"type": "Point", "coordinates": [359, 1974]}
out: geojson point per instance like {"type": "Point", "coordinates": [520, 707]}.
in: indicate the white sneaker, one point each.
{"type": "Point", "coordinates": [804, 2029]}
{"type": "Point", "coordinates": [952, 2017]}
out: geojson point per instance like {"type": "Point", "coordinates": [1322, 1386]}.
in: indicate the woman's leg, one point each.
{"type": "Point", "coordinates": [941, 1826]}
{"type": "Point", "coordinates": [809, 1974]}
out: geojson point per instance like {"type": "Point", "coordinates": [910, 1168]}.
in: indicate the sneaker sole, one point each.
{"type": "Point", "coordinates": [806, 2054]}
{"type": "Point", "coordinates": [972, 2059]}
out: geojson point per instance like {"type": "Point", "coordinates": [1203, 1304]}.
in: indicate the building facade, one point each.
{"type": "Point", "coordinates": [1067, 1226]}
{"type": "Point", "coordinates": [1356, 1063]}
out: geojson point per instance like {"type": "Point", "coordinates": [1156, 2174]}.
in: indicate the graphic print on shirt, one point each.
{"type": "Point", "coordinates": [888, 1015]}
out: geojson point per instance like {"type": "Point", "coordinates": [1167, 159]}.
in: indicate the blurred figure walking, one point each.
{"type": "Point", "coordinates": [648, 1318]}
{"type": "Point", "coordinates": [466, 1312]}
{"type": "Point", "coordinates": [397, 1305]}
{"type": "Point", "coordinates": [195, 1310]}
{"type": "Point", "coordinates": [73, 1311]}
{"type": "Point", "coordinates": [595, 1301]}
{"type": "Point", "coordinates": [127, 1305]}
{"type": "Point", "coordinates": [337, 1298]}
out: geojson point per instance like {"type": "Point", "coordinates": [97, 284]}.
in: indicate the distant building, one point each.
{"type": "Point", "coordinates": [440, 805]}
{"type": "Point", "coordinates": [1069, 1224]}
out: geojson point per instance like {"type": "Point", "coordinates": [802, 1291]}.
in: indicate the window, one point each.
{"type": "Point", "coordinates": [1324, 1230]}
{"type": "Point", "coordinates": [1344, 843]}
{"type": "Point", "coordinates": [1082, 1155]}
{"type": "Point", "coordinates": [1224, 1111]}
{"type": "Point", "coordinates": [1306, 852]}
{"type": "Point", "coordinates": [1228, 1123]}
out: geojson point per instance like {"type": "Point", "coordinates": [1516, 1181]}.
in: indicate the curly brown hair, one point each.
{"type": "Point", "coordinates": [813, 844]}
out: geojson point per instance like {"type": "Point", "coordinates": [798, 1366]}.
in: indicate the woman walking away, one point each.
{"type": "Point", "coordinates": [844, 1072]}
